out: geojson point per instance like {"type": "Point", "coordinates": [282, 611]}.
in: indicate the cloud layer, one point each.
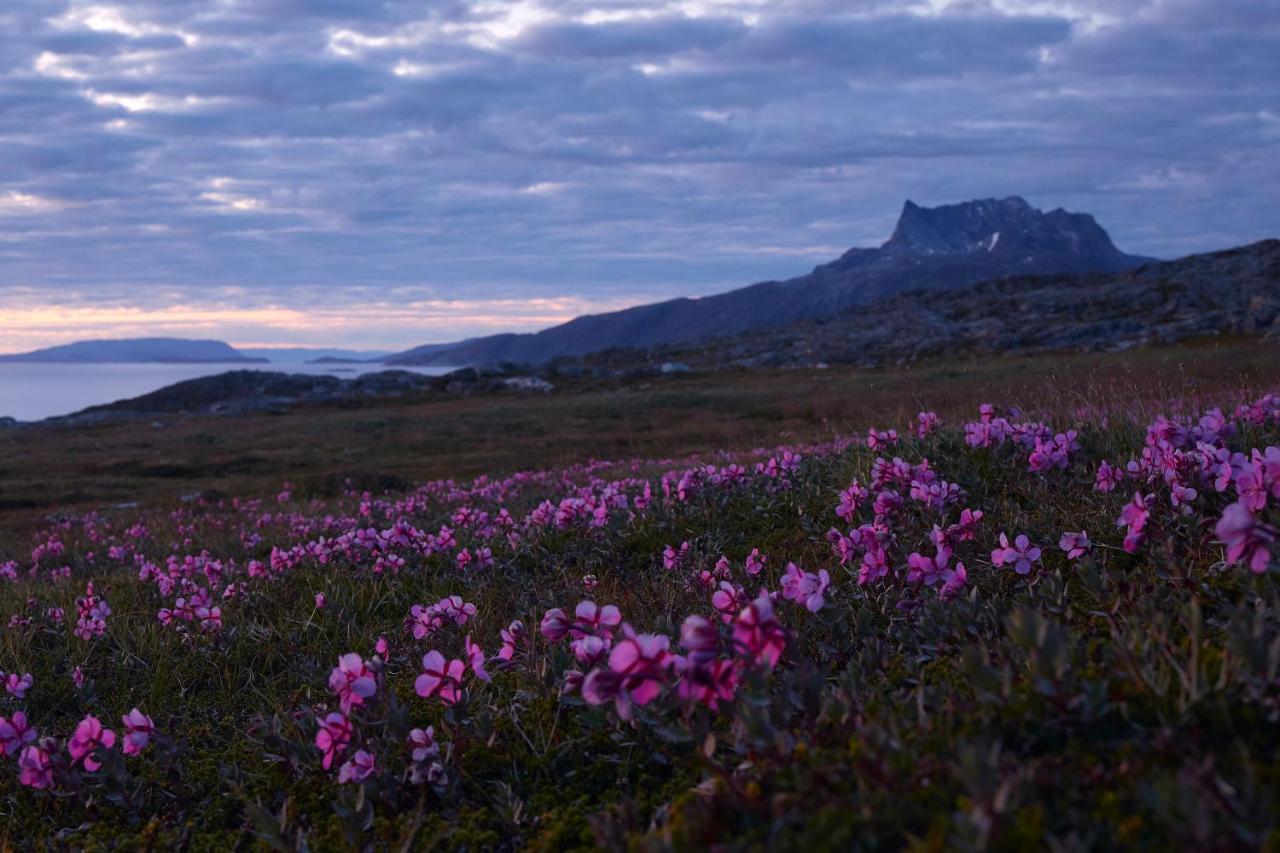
{"type": "Point", "coordinates": [430, 167]}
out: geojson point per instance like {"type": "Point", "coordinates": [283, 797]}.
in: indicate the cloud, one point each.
{"type": "Point", "coordinates": [320, 156]}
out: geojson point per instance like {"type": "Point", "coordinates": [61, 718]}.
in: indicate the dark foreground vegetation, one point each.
{"type": "Point", "coordinates": [810, 610]}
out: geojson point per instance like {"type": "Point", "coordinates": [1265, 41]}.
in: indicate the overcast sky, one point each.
{"type": "Point", "coordinates": [356, 172]}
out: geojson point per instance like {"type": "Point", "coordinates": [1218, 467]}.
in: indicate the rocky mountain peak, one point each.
{"type": "Point", "coordinates": [1007, 226]}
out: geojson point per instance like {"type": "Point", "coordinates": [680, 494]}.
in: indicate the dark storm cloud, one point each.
{"type": "Point", "coordinates": [343, 153]}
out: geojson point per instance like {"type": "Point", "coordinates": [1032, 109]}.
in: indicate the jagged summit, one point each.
{"type": "Point", "coordinates": [1008, 226]}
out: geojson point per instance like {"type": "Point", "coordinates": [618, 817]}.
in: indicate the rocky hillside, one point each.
{"type": "Point", "coordinates": [937, 248]}
{"type": "Point", "coordinates": [1231, 292]}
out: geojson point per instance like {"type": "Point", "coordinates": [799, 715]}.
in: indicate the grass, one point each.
{"type": "Point", "coordinates": [1124, 700]}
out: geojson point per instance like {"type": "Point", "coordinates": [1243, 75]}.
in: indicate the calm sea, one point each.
{"type": "Point", "coordinates": [30, 392]}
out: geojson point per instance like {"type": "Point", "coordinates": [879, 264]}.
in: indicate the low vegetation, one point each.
{"type": "Point", "coordinates": [999, 605]}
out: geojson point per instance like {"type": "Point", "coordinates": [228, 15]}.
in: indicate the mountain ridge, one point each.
{"type": "Point", "coordinates": [940, 247]}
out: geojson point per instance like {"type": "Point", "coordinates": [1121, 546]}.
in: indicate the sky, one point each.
{"type": "Point", "coordinates": [387, 173]}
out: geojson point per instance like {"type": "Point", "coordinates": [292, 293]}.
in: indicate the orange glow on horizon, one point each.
{"type": "Point", "coordinates": [25, 327]}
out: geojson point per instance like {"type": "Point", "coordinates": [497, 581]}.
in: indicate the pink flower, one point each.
{"type": "Point", "coordinates": [1181, 495]}
{"type": "Point", "coordinates": [1250, 487]}
{"type": "Point", "coordinates": [590, 619]}
{"type": "Point", "coordinates": [512, 637]}
{"type": "Point", "coordinates": [709, 683]}
{"type": "Point", "coordinates": [1075, 544]}
{"type": "Point", "coordinates": [639, 667]}
{"type": "Point", "coordinates": [756, 562]}
{"type": "Point", "coordinates": [382, 647]}
{"type": "Point", "coordinates": [89, 736]}
{"type": "Point", "coordinates": [358, 768]}
{"type": "Point", "coordinates": [138, 729]}
{"type": "Point", "coordinates": [757, 636]}
{"type": "Point", "coordinates": [1134, 517]}
{"type": "Point", "coordinates": [352, 681]}
{"type": "Point", "coordinates": [555, 625]}
{"type": "Point", "coordinates": [440, 678]}
{"type": "Point", "coordinates": [643, 661]}
{"type": "Point", "coordinates": [589, 651]}
{"type": "Point", "coordinates": [805, 588]}
{"type": "Point", "coordinates": [850, 499]}
{"type": "Point", "coordinates": [18, 685]}
{"type": "Point", "coordinates": [698, 636]}
{"type": "Point", "coordinates": [34, 767]}
{"type": "Point", "coordinates": [15, 733]}
{"type": "Point", "coordinates": [1108, 477]}
{"type": "Point", "coordinates": [1021, 555]}
{"type": "Point", "coordinates": [928, 570]}
{"type": "Point", "coordinates": [1248, 540]}
{"type": "Point", "coordinates": [332, 738]}
{"type": "Point", "coordinates": [475, 657]}
{"type": "Point", "coordinates": [953, 582]}
{"type": "Point", "coordinates": [422, 744]}
{"type": "Point", "coordinates": [728, 599]}
{"type": "Point", "coordinates": [321, 601]}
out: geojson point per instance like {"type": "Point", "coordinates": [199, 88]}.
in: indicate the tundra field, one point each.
{"type": "Point", "coordinates": [1001, 604]}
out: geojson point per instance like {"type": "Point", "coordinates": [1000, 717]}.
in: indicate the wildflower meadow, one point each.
{"type": "Point", "coordinates": [1003, 630]}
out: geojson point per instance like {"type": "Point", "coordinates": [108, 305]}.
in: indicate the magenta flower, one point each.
{"type": "Point", "coordinates": [332, 737]}
{"type": "Point", "coordinates": [639, 667]}
{"type": "Point", "coordinates": [953, 582]}
{"type": "Point", "coordinates": [1248, 540]}
{"type": "Point", "coordinates": [804, 587]}
{"type": "Point", "coordinates": [756, 562]}
{"type": "Point", "coordinates": [35, 767]}
{"type": "Point", "coordinates": [709, 683]}
{"type": "Point", "coordinates": [18, 685]}
{"type": "Point", "coordinates": [643, 660]}
{"type": "Point", "coordinates": [358, 768]}
{"type": "Point", "coordinates": [422, 744]}
{"type": "Point", "coordinates": [1134, 517]}
{"type": "Point", "coordinates": [698, 636]}
{"type": "Point", "coordinates": [590, 619]}
{"type": "Point", "coordinates": [15, 733]}
{"type": "Point", "coordinates": [1075, 544]}
{"type": "Point", "coordinates": [475, 658]}
{"type": "Point", "coordinates": [321, 601]}
{"type": "Point", "coordinates": [512, 636]}
{"type": "Point", "coordinates": [89, 736]}
{"type": "Point", "coordinates": [555, 625]}
{"type": "Point", "coordinates": [757, 635]}
{"type": "Point", "coordinates": [382, 646]}
{"type": "Point", "coordinates": [850, 499]}
{"type": "Point", "coordinates": [138, 729]}
{"type": "Point", "coordinates": [728, 599]}
{"type": "Point", "coordinates": [589, 651]}
{"type": "Point", "coordinates": [1251, 488]}
{"type": "Point", "coordinates": [1108, 478]}
{"type": "Point", "coordinates": [440, 678]}
{"type": "Point", "coordinates": [1021, 554]}
{"type": "Point", "coordinates": [352, 681]}
{"type": "Point", "coordinates": [928, 570]}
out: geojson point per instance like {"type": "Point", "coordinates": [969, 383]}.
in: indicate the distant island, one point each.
{"type": "Point", "coordinates": [315, 355]}
{"type": "Point", "coordinates": [136, 351]}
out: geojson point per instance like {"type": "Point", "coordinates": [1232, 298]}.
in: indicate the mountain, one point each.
{"type": "Point", "coordinates": [1232, 292]}
{"type": "Point", "coordinates": [301, 355]}
{"type": "Point", "coordinates": [136, 351]}
{"type": "Point", "coordinates": [936, 248]}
